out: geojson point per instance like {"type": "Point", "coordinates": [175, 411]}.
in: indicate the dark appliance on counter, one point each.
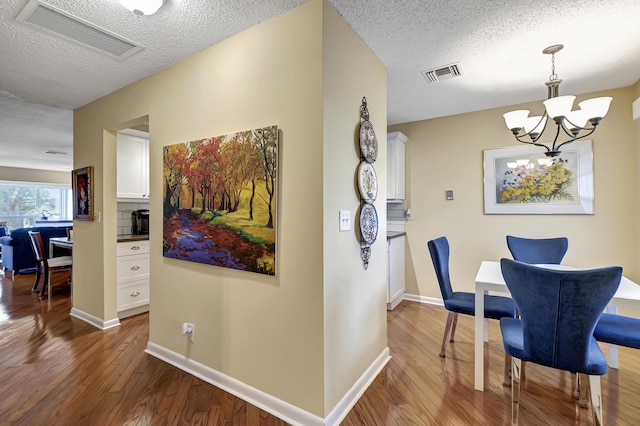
{"type": "Point", "coordinates": [140, 222]}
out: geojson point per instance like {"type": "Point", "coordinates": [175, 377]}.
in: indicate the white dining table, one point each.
{"type": "Point", "coordinates": [489, 280]}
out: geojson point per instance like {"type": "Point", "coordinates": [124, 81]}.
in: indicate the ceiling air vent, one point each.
{"type": "Point", "coordinates": [442, 73]}
{"type": "Point", "coordinates": [60, 23]}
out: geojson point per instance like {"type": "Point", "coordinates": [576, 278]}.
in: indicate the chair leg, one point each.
{"type": "Point", "coordinates": [596, 400]}
{"type": "Point", "coordinates": [582, 390]}
{"type": "Point", "coordinates": [453, 327]}
{"type": "Point", "coordinates": [506, 382]}
{"type": "Point", "coordinates": [515, 389]}
{"type": "Point", "coordinates": [35, 285]}
{"type": "Point", "coordinates": [447, 328]}
{"type": "Point", "coordinates": [47, 280]}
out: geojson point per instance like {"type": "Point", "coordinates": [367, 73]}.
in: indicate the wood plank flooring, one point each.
{"type": "Point", "coordinates": [57, 370]}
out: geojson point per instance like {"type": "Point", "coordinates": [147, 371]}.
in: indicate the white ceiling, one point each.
{"type": "Point", "coordinates": [497, 43]}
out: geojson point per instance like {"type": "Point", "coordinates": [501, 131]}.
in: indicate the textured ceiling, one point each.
{"type": "Point", "coordinates": [497, 44]}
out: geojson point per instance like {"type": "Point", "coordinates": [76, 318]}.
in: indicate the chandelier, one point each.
{"type": "Point", "coordinates": [569, 124]}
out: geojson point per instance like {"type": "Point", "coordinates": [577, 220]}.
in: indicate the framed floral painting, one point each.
{"type": "Point", "coordinates": [523, 180]}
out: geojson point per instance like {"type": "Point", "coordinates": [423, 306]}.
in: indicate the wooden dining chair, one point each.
{"type": "Point", "coordinates": [45, 265]}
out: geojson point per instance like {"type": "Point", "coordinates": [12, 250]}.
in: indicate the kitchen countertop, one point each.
{"type": "Point", "coordinates": [395, 234]}
{"type": "Point", "coordinates": [127, 238]}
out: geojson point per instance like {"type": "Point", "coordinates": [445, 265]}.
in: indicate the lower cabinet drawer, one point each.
{"type": "Point", "coordinates": [133, 295]}
{"type": "Point", "coordinates": [133, 267]}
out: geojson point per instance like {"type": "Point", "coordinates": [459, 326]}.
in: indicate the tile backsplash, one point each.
{"type": "Point", "coordinates": [124, 216]}
{"type": "Point", "coordinates": [396, 211]}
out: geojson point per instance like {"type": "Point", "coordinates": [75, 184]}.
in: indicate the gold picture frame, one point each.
{"type": "Point", "coordinates": [82, 182]}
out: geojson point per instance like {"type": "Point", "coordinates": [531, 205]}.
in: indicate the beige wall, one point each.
{"type": "Point", "coordinates": [447, 153]}
{"type": "Point", "coordinates": [17, 174]}
{"type": "Point", "coordinates": [636, 127]}
{"type": "Point", "coordinates": [271, 333]}
{"type": "Point", "coordinates": [355, 318]}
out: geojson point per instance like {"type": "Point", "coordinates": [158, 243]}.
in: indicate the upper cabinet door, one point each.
{"type": "Point", "coordinates": [133, 167]}
{"type": "Point", "coordinates": [395, 166]}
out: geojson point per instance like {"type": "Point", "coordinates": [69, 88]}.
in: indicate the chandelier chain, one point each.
{"type": "Point", "coordinates": [553, 75]}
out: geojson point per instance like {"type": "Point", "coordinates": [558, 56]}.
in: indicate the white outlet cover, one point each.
{"type": "Point", "coordinates": [345, 220]}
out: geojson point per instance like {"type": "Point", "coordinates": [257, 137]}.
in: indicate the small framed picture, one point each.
{"type": "Point", "coordinates": [82, 181]}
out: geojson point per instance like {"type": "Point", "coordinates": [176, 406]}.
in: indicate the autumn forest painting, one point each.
{"type": "Point", "coordinates": [219, 200]}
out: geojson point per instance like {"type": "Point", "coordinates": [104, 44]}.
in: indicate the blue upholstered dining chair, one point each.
{"type": "Point", "coordinates": [538, 250]}
{"type": "Point", "coordinates": [457, 302]}
{"type": "Point", "coordinates": [618, 330]}
{"type": "Point", "coordinates": [559, 310]}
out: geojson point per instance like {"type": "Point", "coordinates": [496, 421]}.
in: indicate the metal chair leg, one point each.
{"type": "Point", "coordinates": [576, 390]}
{"type": "Point", "coordinates": [596, 400]}
{"type": "Point", "coordinates": [506, 382]}
{"type": "Point", "coordinates": [515, 389]}
{"type": "Point", "coordinates": [447, 328]}
{"type": "Point", "coordinates": [583, 397]}
{"type": "Point", "coordinates": [453, 327]}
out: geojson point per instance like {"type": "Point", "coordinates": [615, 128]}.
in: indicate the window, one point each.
{"type": "Point", "coordinates": [24, 203]}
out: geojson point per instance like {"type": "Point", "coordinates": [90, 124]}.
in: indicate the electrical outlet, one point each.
{"type": "Point", "coordinates": [189, 330]}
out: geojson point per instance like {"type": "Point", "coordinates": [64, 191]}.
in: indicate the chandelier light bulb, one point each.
{"type": "Point", "coordinates": [576, 120]}
{"type": "Point", "coordinates": [142, 7]}
{"type": "Point", "coordinates": [515, 120]}
{"type": "Point", "coordinates": [535, 125]}
{"type": "Point", "coordinates": [559, 106]}
{"type": "Point", "coordinates": [596, 108]}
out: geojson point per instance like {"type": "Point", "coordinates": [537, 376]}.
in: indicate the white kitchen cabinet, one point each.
{"type": "Point", "coordinates": [395, 166]}
{"type": "Point", "coordinates": [396, 253]}
{"type": "Point", "coordinates": [133, 277]}
{"type": "Point", "coordinates": [133, 165]}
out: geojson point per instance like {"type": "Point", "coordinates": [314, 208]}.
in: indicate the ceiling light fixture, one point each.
{"type": "Point", "coordinates": [142, 7]}
{"type": "Point", "coordinates": [557, 108]}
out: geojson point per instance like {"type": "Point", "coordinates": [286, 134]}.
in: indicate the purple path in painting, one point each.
{"type": "Point", "coordinates": [195, 246]}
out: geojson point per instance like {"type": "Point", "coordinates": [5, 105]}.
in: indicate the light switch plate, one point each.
{"type": "Point", "coordinates": [449, 195]}
{"type": "Point", "coordinates": [345, 220]}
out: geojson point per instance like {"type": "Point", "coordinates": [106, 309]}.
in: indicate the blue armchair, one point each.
{"type": "Point", "coordinates": [17, 253]}
{"type": "Point", "coordinates": [538, 250]}
{"type": "Point", "coordinates": [559, 310]}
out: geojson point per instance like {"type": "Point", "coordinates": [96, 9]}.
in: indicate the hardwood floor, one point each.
{"type": "Point", "coordinates": [57, 370]}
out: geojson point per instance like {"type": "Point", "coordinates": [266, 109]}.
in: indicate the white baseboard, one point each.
{"type": "Point", "coordinates": [337, 415]}
{"type": "Point", "coordinates": [279, 408]}
{"type": "Point", "coordinates": [94, 321]}
{"type": "Point", "coordinates": [423, 299]}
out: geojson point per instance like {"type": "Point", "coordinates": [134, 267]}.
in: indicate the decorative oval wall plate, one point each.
{"type": "Point", "coordinates": [367, 182]}
{"type": "Point", "coordinates": [368, 223]}
{"type": "Point", "coordinates": [368, 142]}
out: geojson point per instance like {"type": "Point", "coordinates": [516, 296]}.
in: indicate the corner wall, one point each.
{"type": "Point", "coordinates": [447, 153]}
{"type": "Point", "coordinates": [355, 316]}
{"type": "Point", "coordinates": [265, 332]}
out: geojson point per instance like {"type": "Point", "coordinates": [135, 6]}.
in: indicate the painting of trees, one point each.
{"type": "Point", "coordinates": [219, 200]}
